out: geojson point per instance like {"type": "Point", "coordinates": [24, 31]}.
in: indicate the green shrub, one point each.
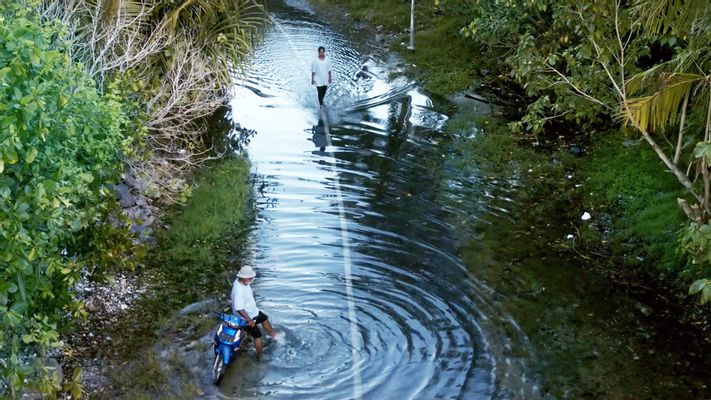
{"type": "Point", "coordinates": [60, 144]}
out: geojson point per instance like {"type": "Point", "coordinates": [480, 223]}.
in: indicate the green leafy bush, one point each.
{"type": "Point", "coordinates": [547, 49]}
{"type": "Point", "coordinates": [60, 144]}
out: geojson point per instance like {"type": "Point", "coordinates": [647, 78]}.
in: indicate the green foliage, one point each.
{"type": "Point", "coordinates": [654, 112]}
{"type": "Point", "coordinates": [661, 16]}
{"type": "Point", "coordinates": [639, 196]}
{"type": "Point", "coordinates": [575, 60]}
{"type": "Point", "coordinates": [703, 287]}
{"type": "Point", "coordinates": [73, 385]}
{"type": "Point", "coordinates": [60, 144]}
{"type": "Point", "coordinates": [666, 93]}
{"type": "Point", "coordinates": [696, 241]}
{"type": "Point", "coordinates": [547, 49]}
{"type": "Point", "coordinates": [224, 31]}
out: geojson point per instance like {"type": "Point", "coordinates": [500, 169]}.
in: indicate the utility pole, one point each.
{"type": "Point", "coordinates": [412, 26]}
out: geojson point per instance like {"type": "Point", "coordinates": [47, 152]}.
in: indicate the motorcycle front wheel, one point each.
{"type": "Point", "coordinates": [218, 369]}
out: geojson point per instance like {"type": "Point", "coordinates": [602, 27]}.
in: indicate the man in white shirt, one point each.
{"type": "Point", "coordinates": [243, 304]}
{"type": "Point", "coordinates": [321, 74]}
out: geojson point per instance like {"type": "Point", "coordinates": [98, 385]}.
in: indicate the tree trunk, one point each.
{"type": "Point", "coordinates": [679, 141]}
{"type": "Point", "coordinates": [679, 174]}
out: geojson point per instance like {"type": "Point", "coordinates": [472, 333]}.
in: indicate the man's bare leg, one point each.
{"type": "Point", "coordinates": [268, 326]}
{"type": "Point", "coordinates": [258, 345]}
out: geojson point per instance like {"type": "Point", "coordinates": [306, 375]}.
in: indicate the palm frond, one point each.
{"type": "Point", "coordinates": [662, 108]}
{"type": "Point", "coordinates": [225, 31]}
{"type": "Point", "coordinates": [108, 11]}
{"type": "Point", "coordinates": [671, 16]}
{"type": "Point", "coordinates": [641, 82]}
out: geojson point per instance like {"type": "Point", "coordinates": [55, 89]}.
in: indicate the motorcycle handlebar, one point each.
{"type": "Point", "coordinates": [222, 314]}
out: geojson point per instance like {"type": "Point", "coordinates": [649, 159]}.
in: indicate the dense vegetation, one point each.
{"type": "Point", "coordinates": [62, 144]}
{"type": "Point", "coordinates": [94, 93]}
{"type": "Point", "coordinates": [643, 63]}
{"type": "Point", "coordinates": [173, 62]}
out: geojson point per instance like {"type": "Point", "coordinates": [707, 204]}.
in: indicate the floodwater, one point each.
{"type": "Point", "coordinates": [356, 265]}
{"type": "Point", "coordinates": [361, 269]}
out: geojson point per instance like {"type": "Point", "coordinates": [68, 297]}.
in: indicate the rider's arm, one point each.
{"type": "Point", "coordinates": [238, 304]}
{"type": "Point", "coordinates": [245, 316]}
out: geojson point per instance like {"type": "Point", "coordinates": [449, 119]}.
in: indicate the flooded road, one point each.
{"type": "Point", "coordinates": [353, 247]}
{"type": "Point", "coordinates": [360, 266]}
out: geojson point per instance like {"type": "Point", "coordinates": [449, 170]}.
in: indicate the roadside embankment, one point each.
{"type": "Point", "coordinates": [195, 252]}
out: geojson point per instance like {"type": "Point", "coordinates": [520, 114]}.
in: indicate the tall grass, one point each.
{"type": "Point", "coordinates": [199, 240]}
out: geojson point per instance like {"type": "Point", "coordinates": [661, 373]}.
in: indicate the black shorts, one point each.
{"type": "Point", "coordinates": [254, 330]}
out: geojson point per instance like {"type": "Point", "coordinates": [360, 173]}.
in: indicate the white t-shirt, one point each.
{"type": "Point", "coordinates": [243, 299]}
{"type": "Point", "coordinates": [320, 68]}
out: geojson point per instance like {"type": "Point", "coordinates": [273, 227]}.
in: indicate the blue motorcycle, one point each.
{"type": "Point", "coordinates": [228, 338]}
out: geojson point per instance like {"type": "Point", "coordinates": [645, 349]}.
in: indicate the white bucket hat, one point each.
{"type": "Point", "coordinates": [246, 272]}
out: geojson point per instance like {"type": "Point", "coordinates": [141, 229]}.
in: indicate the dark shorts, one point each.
{"type": "Point", "coordinates": [254, 330]}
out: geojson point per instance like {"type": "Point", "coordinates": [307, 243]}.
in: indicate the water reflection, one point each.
{"type": "Point", "coordinates": [320, 138]}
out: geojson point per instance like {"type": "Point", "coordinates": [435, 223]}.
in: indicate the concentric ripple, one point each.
{"type": "Point", "coordinates": [376, 198]}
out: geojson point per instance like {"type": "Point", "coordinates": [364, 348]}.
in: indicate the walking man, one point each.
{"type": "Point", "coordinates": [243, 304]}
{"type": "Point", "coordinates": [321, 74]}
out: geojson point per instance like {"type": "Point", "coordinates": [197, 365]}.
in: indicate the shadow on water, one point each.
{"type": "Point", "coordinates": [357, 248]}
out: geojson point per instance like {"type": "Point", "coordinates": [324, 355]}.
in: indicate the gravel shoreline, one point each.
{"type": "Point", "coordinates": [89, 347]}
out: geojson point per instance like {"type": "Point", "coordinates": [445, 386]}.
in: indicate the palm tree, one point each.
{"type": "Point", "coordinates": [665, 94]}
{"type": "Point", "coordinates": [180, 56]}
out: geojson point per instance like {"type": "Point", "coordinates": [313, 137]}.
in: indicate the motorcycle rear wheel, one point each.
{"type": "Point", "coordinates": [218, 369]}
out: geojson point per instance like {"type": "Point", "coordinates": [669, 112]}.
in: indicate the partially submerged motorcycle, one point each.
{"type": "Point", "coordinates": [229, 337]}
